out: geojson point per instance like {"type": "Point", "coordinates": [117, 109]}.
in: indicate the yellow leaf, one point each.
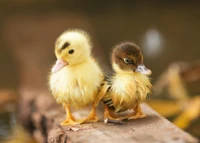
{"type": "Point", "coordinates": [166, 108]}
{"type": "Point", "coordinates": [191, 112]}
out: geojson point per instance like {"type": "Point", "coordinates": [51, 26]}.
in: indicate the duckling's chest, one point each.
{"type": "Point", "coordinates": [123, 84]}
{"type": "Point", "coordinates": [66, 79]}
{"type": "Point", "coordinates": [124, 92]}
{"type": "Point", "coordinates": [75, 86]}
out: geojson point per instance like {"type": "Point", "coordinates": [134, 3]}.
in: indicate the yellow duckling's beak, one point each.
{"type": "Point", "coordinates": [142, 69]}
{"type": "Point", "coordinates": [60, 63]}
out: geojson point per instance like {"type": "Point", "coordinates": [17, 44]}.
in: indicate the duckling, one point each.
{"type": "Point", "coordinates": [76, 77]}
{"type": "Point", "coordinates": [129, 86]}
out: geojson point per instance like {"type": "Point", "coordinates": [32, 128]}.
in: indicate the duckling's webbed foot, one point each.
{"type": "Point", "coordinates": [70, 120]}
{"type": "Point", "coordinates": [137, 114]}
{"type": "Point", "coordinates": [92, 117]}
{"type": "Point", "coordinates": [108, 113]}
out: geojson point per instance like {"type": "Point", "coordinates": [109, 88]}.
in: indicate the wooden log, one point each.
{"type": "Point", "coordinates": [41, 116]}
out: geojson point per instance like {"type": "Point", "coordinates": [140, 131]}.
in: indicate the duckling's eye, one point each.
{"type": "Point", "coordinates": [65, 46]}
{"type": "Point", "coordinates": [71, 51]}
{"type": "Point", "coordinates": [128, 61]}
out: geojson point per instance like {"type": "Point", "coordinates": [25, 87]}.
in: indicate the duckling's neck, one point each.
{"type": "Point", "coordinates": [120, 71]}
{"type": "Point", "coordinates": [124, 73]}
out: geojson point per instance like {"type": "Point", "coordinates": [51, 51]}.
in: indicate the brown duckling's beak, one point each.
{"type": "Point", "coordinates": [142, 69]}
{"type": "Point", "coordinates": [60, 63]}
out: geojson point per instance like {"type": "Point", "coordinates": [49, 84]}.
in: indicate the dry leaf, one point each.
{"type": "Point", "coordinates": [73, 129]}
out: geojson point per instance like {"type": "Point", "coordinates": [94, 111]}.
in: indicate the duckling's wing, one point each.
{"type": "Point", "coordinates": [104, 89]}
{"type": "Point", "coordinates": [108, 79]}
{"type": "Point", "coordinates": [107, 98]}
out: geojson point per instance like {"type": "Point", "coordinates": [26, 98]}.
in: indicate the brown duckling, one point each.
{"type": "Point", "coordinates": [130, 84]}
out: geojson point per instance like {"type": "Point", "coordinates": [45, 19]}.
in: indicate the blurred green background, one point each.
{"type": "Point", "coordinates": [167, 32]}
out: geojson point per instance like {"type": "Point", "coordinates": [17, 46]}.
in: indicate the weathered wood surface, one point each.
{"type": "Point", "coordinates": [41, 115]}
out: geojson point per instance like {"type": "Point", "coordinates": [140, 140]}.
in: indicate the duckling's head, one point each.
{"type": "Point", "coordinates": [71, 48]}
{"type": "Point", "coordinates": [127, 57]}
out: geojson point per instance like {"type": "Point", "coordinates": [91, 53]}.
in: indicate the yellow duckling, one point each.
{"type": "Point", "coordinates": [76, 77]}
{"type": "Point", "coordinates": [129, 85]}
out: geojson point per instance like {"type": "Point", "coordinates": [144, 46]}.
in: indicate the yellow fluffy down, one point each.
{"type": "Point", "coordinates": [129, 89]}
{"type": "Point", "coordinates": [76, 85]}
